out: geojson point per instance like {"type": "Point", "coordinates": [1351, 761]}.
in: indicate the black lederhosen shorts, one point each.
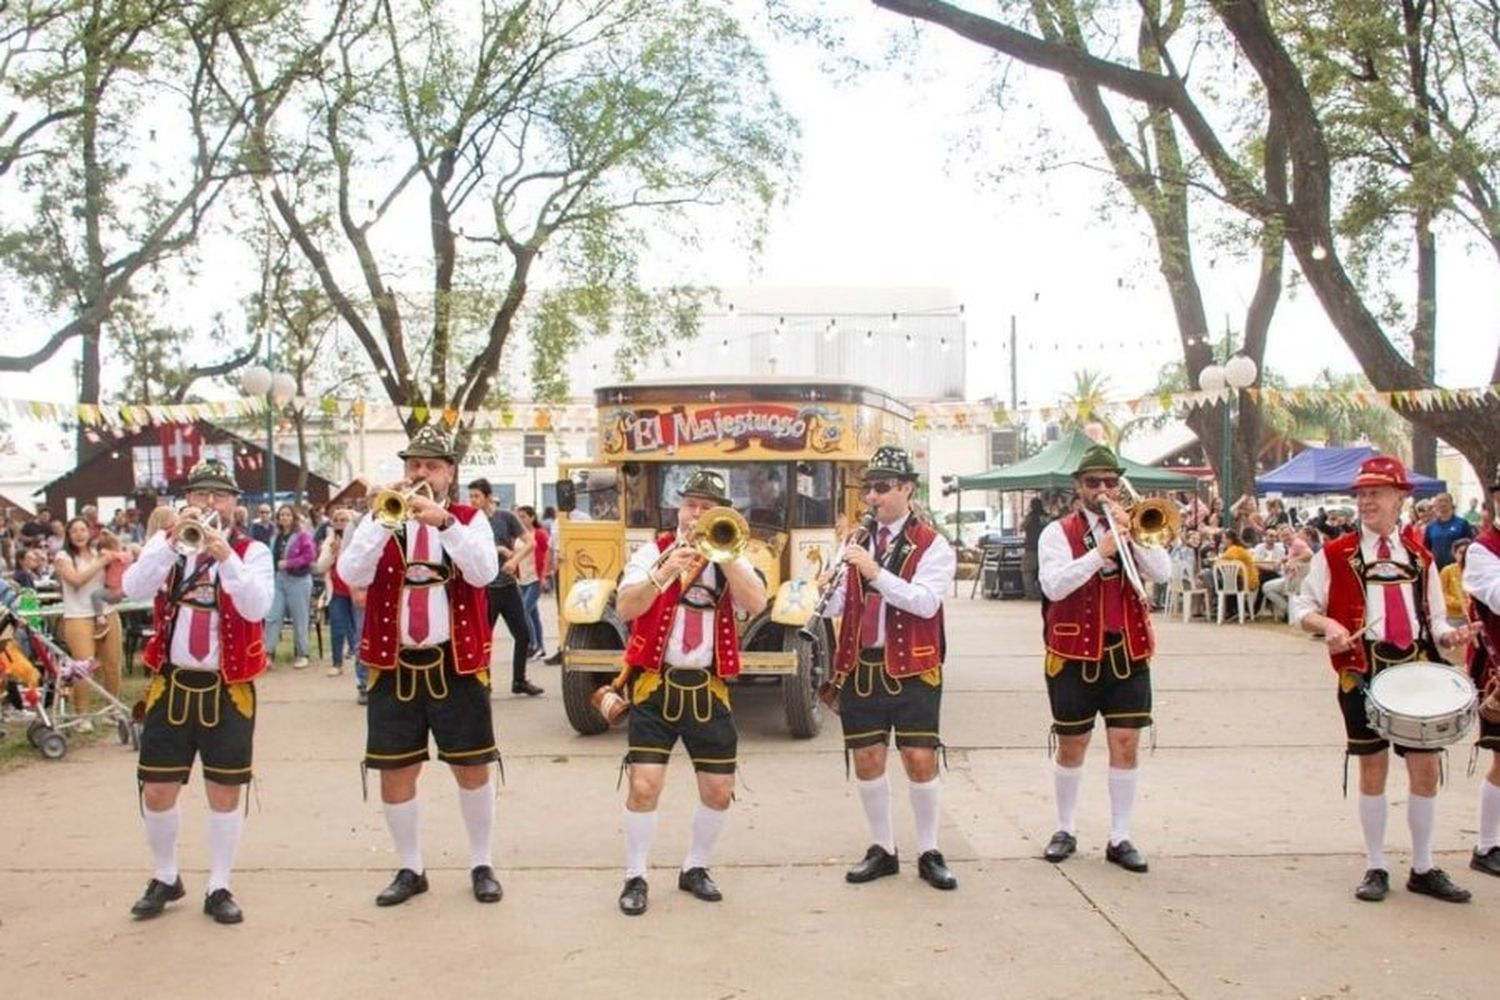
{"type": "Point", "coordinates": [1362, 740]}
{"type": "Point", "coordinates": [424, 694]}
{"type": "Point", "coordinates": [192, 712]}
{"type": "Point", "coordinates": [1489, 735]}
{"type": "Point", "coordinates": [873, 704]}
{"type": "Point", "coordinates": [1114, 686]}
{"type": "Point", "coordinates": [686, 702]}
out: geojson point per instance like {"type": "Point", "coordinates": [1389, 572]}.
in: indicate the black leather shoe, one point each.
{"type": "Point", "coordinates": [697, 882]}
{"type": "Point", "coordinates": [404, 886]}
{"type": "Point", "coordinates": [1060, 847]}
{"type": "Point", "coordinates": [1374, 886]}
{"type": "Point", "coordinates": [1126, 856]}
{"type": "Point", "coordinates": [933, 870]}
{"type": "Point", "coordinates": [633, 896]}
{"type": "Point", "coordinates": [363, 697]}
{"type": "Point", "coordinates": [1436, 883]}
{"type": "Point", "coordinates": [486, 885]}
{"type": "Point", "coordinates": [878, 863]}
{"type": "Point", "coordinates": [525, 687]}
{"type": "Point", "coordinates": [1488, 862]}
{"type": "Point", "coordinates": [555, 660]}
{"type": "Point", "coordinates": [220, 905]}
{"type": "Point", "coordinates": [155, 899]}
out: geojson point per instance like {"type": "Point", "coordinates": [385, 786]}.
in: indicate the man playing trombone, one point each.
{"type": "Point", "coordinates": [683, 644]}
{"type": "Point", "coordinates": [888, 667]}
{"type": "Point", "coordinates": [211, 588]}
{"type": "Point", "coordinates": [426, 645]}
{"type": "Point", "coordinates": [1099, 644]}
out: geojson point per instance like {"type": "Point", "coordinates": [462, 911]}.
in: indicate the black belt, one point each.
{"type": "Point", "coordinates": [872, 654]}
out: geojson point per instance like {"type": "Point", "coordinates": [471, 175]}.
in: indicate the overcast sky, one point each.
{"type": "Point", "coordinates": [890, 195]}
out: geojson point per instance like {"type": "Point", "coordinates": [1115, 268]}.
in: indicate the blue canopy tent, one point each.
{"type": "Point", "coordinates": [1331, 470]}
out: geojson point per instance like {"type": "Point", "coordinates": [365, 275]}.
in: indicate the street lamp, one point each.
{"type": "Point", "coordinates": [278, 388]}
{"type": "Point", "coordinates": [1236, 373]}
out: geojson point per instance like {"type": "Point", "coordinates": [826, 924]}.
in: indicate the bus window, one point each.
{"type": "Point", "coordinates": [760, 491]}
{"type": "Point", "coordinates": [815, 495]}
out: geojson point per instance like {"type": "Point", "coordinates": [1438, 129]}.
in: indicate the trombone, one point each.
{"type": "Point", "coordinates": [392, 507]}
{"type": "Point", "coordinates": [719, 535]}
{"type": "Point", "coordinates": [192, 533]}
{"type": "Point", "coordinates": [1153, 524]}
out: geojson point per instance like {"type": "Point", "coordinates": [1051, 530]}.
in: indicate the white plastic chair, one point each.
{"type": "Point", "coordinates": [1182, 585]}
{"type": "Point", "coordinates": [1229, 583]}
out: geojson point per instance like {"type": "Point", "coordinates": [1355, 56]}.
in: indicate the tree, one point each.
{"type": "Point", "coordinates": [585, 130]}
{"type": "Point", "coordinates": [1302, 214]}
{"type": "Point", "coordinates": [90, 86]}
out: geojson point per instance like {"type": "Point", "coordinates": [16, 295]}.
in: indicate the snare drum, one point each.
{"type": "Point", "coordinates": [1421, 705]}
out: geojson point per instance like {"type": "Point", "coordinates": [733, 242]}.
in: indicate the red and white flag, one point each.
{"type": "Point", "coordinates": [180, 448]}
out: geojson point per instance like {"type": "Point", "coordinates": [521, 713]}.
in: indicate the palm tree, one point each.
{"type": "Point", "coordinates": [1086, 404]}
{"type": "Point", "coordinates": [1331, 419]}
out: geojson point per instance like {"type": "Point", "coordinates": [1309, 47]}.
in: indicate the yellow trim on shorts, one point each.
{"type": "Point", "coordinates": [916, 732]}
{"type": "Point", "coordinates": [713, 760]}
{"type": "Point", "coordinates": [665, 753]}
{"type": "Point", "coordinates": [396, 756]}
{"type": "Point", "coordinates": [227, 770]}
{"type": "Point", "coordinates": [148, 767]}
{"type": "Point", "coordinates": [868, 732]}
{"type": "Point", "coordinates": [492, 748]}
{"type": "Point", "coordinates": [1125, 715]}
{"type": "Point", "coordinates": [1072, 722]}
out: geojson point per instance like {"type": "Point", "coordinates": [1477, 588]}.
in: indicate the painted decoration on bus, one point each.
{"type": "Point", "coordinates": [729, 429]}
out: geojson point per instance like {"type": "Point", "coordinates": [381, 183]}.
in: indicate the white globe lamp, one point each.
{"type": "Point", "coordinates": [1240, 371]}
{"type": "Point", "coordinates": [1211, 378]}
{"type": "Point", "coordinates": [255, 381]}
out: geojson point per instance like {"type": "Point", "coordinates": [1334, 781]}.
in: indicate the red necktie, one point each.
{"type": "Point", "coordinates": [869, 622]}
{"type": "Point", "coordinates": [416, 597]}
{"type": "Point", "coordinates": [1397, 619]}
{"type": "Point", "coordinates": [200, 620]}
{"type": "Point", "coordinates": [692, 629]}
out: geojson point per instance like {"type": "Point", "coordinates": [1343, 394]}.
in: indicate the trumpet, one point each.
{"type": "Point", "coordinates": [810, 629]}
{"type": "Point", "coordinates": [392, 507]}
{"type": "Point", "coordinates": [1153, 524]}
{"type": "Point", "coordinates": [192, 534]}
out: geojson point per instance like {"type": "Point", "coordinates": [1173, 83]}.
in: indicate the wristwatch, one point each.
{"type": "Point", "coordinates": [447, 522]}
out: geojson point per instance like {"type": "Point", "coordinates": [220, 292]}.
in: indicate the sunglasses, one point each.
{"type": "Point", "coordinates": [881, 486]}
{"type": "Point", "coordinates": [1094, 482]}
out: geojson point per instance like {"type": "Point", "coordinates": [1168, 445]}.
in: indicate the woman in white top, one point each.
{"type": "Point", "coordinates": [80, 569]}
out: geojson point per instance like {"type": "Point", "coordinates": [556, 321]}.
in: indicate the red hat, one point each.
{"type": "Point", "coordinates": [1382, 470]}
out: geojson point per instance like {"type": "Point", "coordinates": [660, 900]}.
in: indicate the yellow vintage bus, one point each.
{"type": "Point", "coordinates": [791, 451]}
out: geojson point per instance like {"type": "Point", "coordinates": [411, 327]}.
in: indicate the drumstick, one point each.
{"type": "Point", "coordinates": [1368, 626]}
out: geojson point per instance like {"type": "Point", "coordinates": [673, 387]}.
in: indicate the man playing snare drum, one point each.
{"type": "Point", "coordinates": [1376, 600]}
{"type": "Point", "coordinates": [1482, 584]}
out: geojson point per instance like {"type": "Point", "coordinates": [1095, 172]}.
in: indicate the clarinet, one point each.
{"type": "Point", "coordinates": [810, 629]}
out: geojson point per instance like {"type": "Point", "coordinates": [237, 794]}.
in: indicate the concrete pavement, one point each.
{"type": "Point", "coordinates": [1253, 851]}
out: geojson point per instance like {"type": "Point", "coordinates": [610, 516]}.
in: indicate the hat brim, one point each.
{"type": "Point", "coordinates": [704, 495]}
{"type": "Point", "coordinates": [214, 485]}
{"type": "Point", "coordinates": [446, 456]}
{"type": "Point", "coordinates": [870, 474]}
{"type": "Point", "coordinates": [1116, 469]}
{"type": "Point", "coordinates": [1368, 481]}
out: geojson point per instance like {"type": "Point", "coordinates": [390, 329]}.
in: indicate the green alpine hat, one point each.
{"type": "Point", "coordinates": [430, 441]}
{"type": "Point", "coordinates": [1098, 459]}
{"type": "Point", "coordinates": [212, 474]}
{"type": "Point", "coordinates": [706, 484]}
{"type": "Point", "coordinates": [890, 462]}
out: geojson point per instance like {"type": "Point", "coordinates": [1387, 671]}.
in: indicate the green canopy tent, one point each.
{"type": "Point", "coordinates": [1052, 468]}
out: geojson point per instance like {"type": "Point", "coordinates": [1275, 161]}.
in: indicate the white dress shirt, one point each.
{"type": "Point", "coordinates": [249, 581]}
{"type": "Point", "coordinates": [470, 547]}
{"type": "Point", "coordinates": [1060, 574]}
{"type": "Point", "coordinates": [1482, 577]}
{"type": "Point", "coordinates": [638, 570]}
{"type": "Point", "coordinates": [1313, 597]}
{"type": "Point", "coordinates": [922, 595]}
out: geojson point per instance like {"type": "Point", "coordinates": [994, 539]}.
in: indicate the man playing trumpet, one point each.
{"type": "Point", "coordinates": [683, 644]}
{"type": "Point", "coordinates": [888, 665]}
{"type": "Point", "coordinates": [211, 589]}
{"type": "Point", "coordinates": [426, 645]}
{"type": "Point", "coordinates": [1099, 645]}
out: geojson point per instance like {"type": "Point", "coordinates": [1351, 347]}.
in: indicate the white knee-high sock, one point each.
{"type": "Point", "coordinates": [1489, 816]}
{"type": "Point", "coordinates": [223, 840]}
{"type": "Point", "coordinates": [1421, 816]}
{"type": "Point", "coordinates": [640, 830]}
{"type": "Point", "coordinates": [707, 825]}
{"type": "Point", "coordinates": [478, 808]}
{"type": "Point", "coordinates": [161, 835]}
{"type": "Point", "coordinates": [1122, 785]}
{"type": "Point", "coordinates": [403, 819]}
{"type": "Point", "coordinates": [1066, 781]}
{"type": "Point", "coordinates": [1372, 815]}
{"type": "Point", "coordinates": [926, 807]}
{"type": "Point", "coordinates": [875, 796]}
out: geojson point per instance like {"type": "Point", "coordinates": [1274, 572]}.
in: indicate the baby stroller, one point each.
{"type": "Point", "coordinates": [48, 731]}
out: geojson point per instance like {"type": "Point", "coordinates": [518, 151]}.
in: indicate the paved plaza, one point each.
{"type": "Point", "coordinates": [1254, 854]}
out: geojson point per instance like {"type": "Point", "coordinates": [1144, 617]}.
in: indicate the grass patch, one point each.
{"type": "Point", "coordinates": [17, 751]}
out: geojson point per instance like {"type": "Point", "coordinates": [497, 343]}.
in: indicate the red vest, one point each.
{"type": "Point", "coordinates": [1346, 592]}
{"type": "Point", "coordinates": [1488, 647]}
{"type": "Point", "coordinates": [335, 582]}
{"type": "Point", "coordinates": [647, 648]}
{"type": "Point", "coordinates": [468, 612]}
{"type": "Point", "coordinates": [242, 645]}
{"type": "Point", "coordinates": [912, 644]}
{"type": "Point", "coordinates": [1075, 625]}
